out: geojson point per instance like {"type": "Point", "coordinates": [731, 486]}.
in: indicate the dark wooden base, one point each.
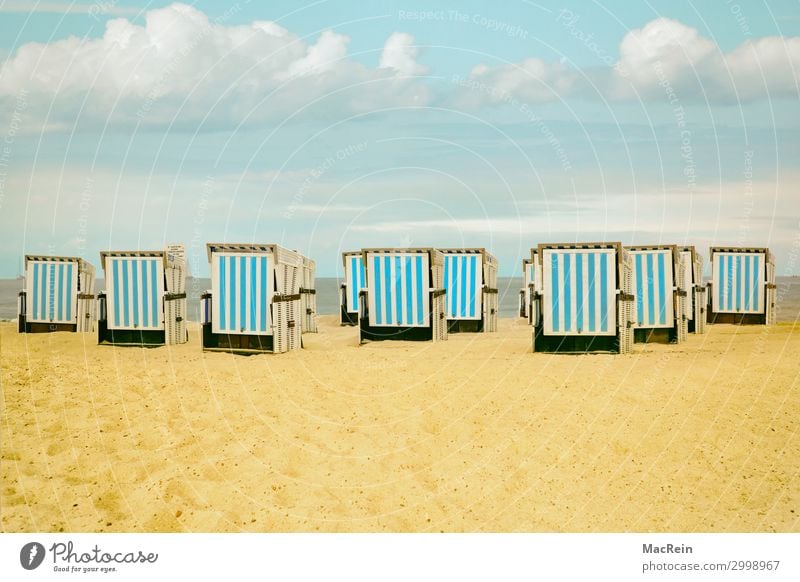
{"type": "Point", "coordinates": [464, 326]}
{"type": "Point", "coordinates": [394, 333]}
{"type": "Point", "coordinates": [129, 337]}
{"type": "Point", "coordinates": [348, 318]}
{"type": "Point", "coordinates": [738, 318]}
{"type": "Point", "coordinates": [234, 343]}
{"type": "Point", "coordinates": [655, 336]}
{"type": "Point", "coordinates": [574, 344]}
{"type": "Point", "coordinates": [26, 327]}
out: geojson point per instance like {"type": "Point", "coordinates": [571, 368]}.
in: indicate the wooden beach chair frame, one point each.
{"type": "Point", "coordinates": [267, 316]}
{"type": "Point", "coordinates": [150, 309]}
{"type": "Point", "coordinates": [696, 296]}
{"type": "Point", "coordinates": [618, 337]}
{"type": "Point", "coordinates": [531, 275]}
{"type": "Point", "coordinates": [723, 308]}
{"type": "Point", "coordinates": [61, 290]}
{"type": "Point", "coordinates": [308, 297]}
{"type": "Point", "coordinates": [674, 327]}
{"type": "Point", "coordinates": [429, 306]}
{"type": "Point", "coordinates": [484, 309]}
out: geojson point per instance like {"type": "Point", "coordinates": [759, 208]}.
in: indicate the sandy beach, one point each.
{"type": "Point", "coordinates": [473, 434]}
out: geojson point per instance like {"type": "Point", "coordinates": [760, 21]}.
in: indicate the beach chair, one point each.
{"type": "Point", "coordinates": [742, 286]}
{"type": "Point", "coordinates": [308, 297]}
{"type": "Point", "coordinates": [404, 297]}
{"type": "Point", "coordinates": [144, 303]}
{"type": "Point", "coordinates": [531, 274]}
{"type": "Point", "coordinates": [354, 282]}
{"type": "Point", "coordinates": [58, 295]}
{"type": "Point", "coordinates": [470, 279]}
{"type": "Point", "coordinates": [658, 282]}
{"type": "Point", "coordinates": [254, 304]}
{"type": "Point", "coordinates": [586, 299]}
{"type": "Point", "coordinates": [695, 289]}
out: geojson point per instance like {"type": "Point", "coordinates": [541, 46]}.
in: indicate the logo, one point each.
{"type": "Point", "coordinates": [31, 555]}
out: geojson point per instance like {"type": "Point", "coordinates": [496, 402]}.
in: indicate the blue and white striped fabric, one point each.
{"type": "Point", "coordinates": [398, 289]}
{"type": "Point", "coordinates": [738, 282]}
{"type": "Point", "coordinates": [134, 290]}
{"type": "Point", "coordinates": [242, 285]}
{"type": "Point", "coordinates": [688, 278]}
{"type": "Point", "coordinates": [579, 291]}
{"type": "Point", "coordinates": [355, 280]}
{"type": "Point", "coordinates": [653, 286]}
{"type": "Point", "coordinates": [463, 279]}
{"type": "Point", "coordinates": [52, 291]}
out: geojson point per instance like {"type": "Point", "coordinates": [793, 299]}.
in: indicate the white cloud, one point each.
{"type": "Point", "coordinates": [400, 54]}
{"type": "Point", "coordinates": [667, 54]}
{"type": "Point", "coordinates": [181, 67]}
{"type": "Point", "coordinates": [95, 9]}
{"type": "Point", "coordinates": [322, 56]}
{"type": "Point", "coordinates": [663, 60]}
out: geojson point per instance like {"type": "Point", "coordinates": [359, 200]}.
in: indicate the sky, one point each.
{"type": "Point", "coordinates": [331, 125]}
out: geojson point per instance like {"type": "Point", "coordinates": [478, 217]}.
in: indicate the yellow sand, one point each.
{"type": "Point", "coordinates": [473, 434]}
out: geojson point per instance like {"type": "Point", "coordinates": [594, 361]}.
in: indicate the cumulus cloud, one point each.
{"type": "Point", "coordinates": [663, 59]}
{"type": "Point", "coordinates": [667, 52]}
{"type": "Point", "coordinates": [400, 54]}
{"type": "Point", "coordinates": [180, 66]}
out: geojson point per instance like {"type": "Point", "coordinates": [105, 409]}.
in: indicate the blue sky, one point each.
{"type": "Point", "coordinates": [327, 126]}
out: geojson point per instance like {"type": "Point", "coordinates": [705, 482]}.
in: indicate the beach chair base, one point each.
{"type": "Point", "coordinates": [737, 318]}
{"type": "Point", "coordinates": [235, 343]}
{"type": "Point", "coordinates": [416, 334]}
{"type": "Point", "coordinates": [655, 336]}
{"type": "Point", "coordinates": [129, 337]}
{"type": "Point", "coordinates": [465, 326]}
{"type": "Point", "coordinates": [572, 344]}
{"type": "Point", "coordinates": [347, 318]}
{"type": "Point", "coordinates": [25, 327]}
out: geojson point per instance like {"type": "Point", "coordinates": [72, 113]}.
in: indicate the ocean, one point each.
{"type": "Point", "coordinates": [328, 296]}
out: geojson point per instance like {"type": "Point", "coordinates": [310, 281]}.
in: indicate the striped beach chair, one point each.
{"type": "Point", "coordinates": [308, 297]}
{"type": "Point", "coordinates": [586, 299]}
{"type": "Point", "coordinates": [354, 282]}
{"type": "Point", "coordinates": [742, 286]}
{"type": "Point", "coordinates": [470, 279]}
{"type": "Point", "coordinates": [404, 297]}
{"type": "Point", "coordinates": [658, 283]}
{"type": "Point", "coordinates": [695, 289]}
{"type": "Point", "coordinates": [58, 295]}
{"type": "Point", "coordinates": [144, 302]}
{"type": "Point", "coordinates": [531, 274]}
{"type": "Point", "coordinates": [254, 304]}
